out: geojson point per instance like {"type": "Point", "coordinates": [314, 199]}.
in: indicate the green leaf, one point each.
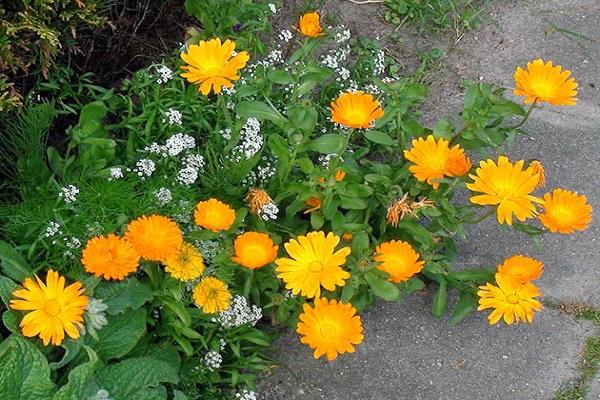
{"type": "Point", "coordinates": [316, 220]}
{"type": "Point", "coordinates": [24, 371]}
{"type": "Point", "coordinates": [158, 393]}
{"type": "Point", "coordinates": [350, 289]}
{"type": "Point", "coordinates": [13, 264]}
{"type": "Point", "coordinates": [412, 285]}
{"type": "Point", "coordinates": [120, 335]}
{"type": "Point", "coordinates": [120, 296]}
{"type": "Point", "coordinates": [259, 110]}
{"type": "Point", "coordinates": [379, 137]}
{"type": "Point", "coordinates": [177, 395]}
{"type": "Point", "coordinates": [10, 319]}
{"type": "Point", "coordinates": [327, 144]}
{"type": "Point", "coordinates": [124, 379]}
{"type": "Point", "coordinates": [474, 275]}
{"type": "Point", "coordinates": [280, 77]}
{"type": "Point", "coordinates": [79, 379]}
{"type": "Point", "coordinates": [466, 303]}
{"type": "Point", "coordinates": [7, 287]}
{"type": "Point", "coordinates": [443, 129]}
{"type": "Point", "coordinates": [440, 299]}
{"type": "Point", "coordinates": [382, 287]}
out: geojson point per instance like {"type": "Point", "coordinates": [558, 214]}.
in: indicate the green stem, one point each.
{"type": "Point", "coordinates": [484, 216]}
{"type": "Point", "coordinates": [531, 107]}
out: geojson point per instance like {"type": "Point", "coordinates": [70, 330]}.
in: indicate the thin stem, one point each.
{"type": "Point", "coordinates": [531, 107]}
{"type": "Point", "coordinates": [484, 216]}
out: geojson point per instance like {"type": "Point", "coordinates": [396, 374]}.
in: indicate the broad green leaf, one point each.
{"type": "Point", "coordinates": [382, 287]}
{"type": "Point", "coordinates": [124, 379]}
{"type": "Point", "coordinates": [350, 289]}
{"type": "Point", "coordinates": [24, 371]}
{"type": "Point", "coordinates": [440, 299]}
{"type": "Point", "coordinates": [379, 137]}
{"type": "Point", "coordinates": [13, 264]}
{"type": "Point", "coordinates": [466, 303]}
{"type": "Point", "coordinates": [11, 321]}
{"type": "Point", "coordinates": [280, 77]}
{"type": "Point", "coordinates": [474, 275]}
{"type": "Point", "coordinates": [412, 285]}
{"type": "Point", "coordinates": [120, 296]}
{"type": "Point", "coordinates": [120, 335]}
{"type": "Point", "coordinates": [7, 287]}
{"type": "Point", "coordinates": [158, 393]}
{"type": "Point", "coordinates": [259, 110]}
{"type": "Point", "coordinates": [79, 379]}
{"type": "Point", "coordinates": [177, 395]}
{"type": "Point", "coordinates": [327, 144]}
{"type": "Point", "coordinates": [443, 129]}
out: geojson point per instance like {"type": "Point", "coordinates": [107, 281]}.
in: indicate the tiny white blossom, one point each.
{"type": "Point", "coordinates": [342, 36]}
{"type": "Point", "coordinates": [187, 175]}
{"type": "Point", "coordinates": [163, 196]}
{"type": "Point", "coordinates": [285, 35]}
{"type": "Point", "coordinates": [52, 229]}
{"type": "Point", "coordinates": [273, 8]}
{"type": "Point", "coordinates": [269, 211]}
{"type": "Point", "coordinates": [165, 74]}
{"type": "Point", "coordinates": [208, 248]}
{"type": "Point", "coordinates": [226, 133]}
{"type": "Point", "coordinates": [178, 143]}
{"type": "Point", "coordinates": [115, 173]}
{"type": "Point", "coordinates": [379, 62]}
{"type": "Point", "coordinates": [69, 193]}
{"type": "Point", "coordinates": [222, 343]}
{"type": "Point", "coordinates": [246, 395]}
{"type": "Point", "coordinates": [212, 360]}
{"type": "Point", "coordinates": [145, 167]}
{"type": "Point", "coordinates": [239, 313]}
{"type": "Point", "coordinates": [173, 117]}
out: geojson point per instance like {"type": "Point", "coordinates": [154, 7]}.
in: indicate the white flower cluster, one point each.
{"type": "Point", "coordinates": [173, 117]}
{"type": "Point", "coordinates": [325, 159]}
{"type": "Point", "coordinates": [222, 343]}
{"type": "Point", "coordinates": [275, 56]}
{"type": "Point", "coordinates": [144, 167]}
{"type": "Point", "coordinates": [379, 62]}
{"type": "Point", "coordinates": [273, 8]}
{"type": "Point", "coordinates": [72, 243]}
{"type": "Point", "coordinates": [269, 211]}
{"type": "Point", "coordinates": [178, 143]}
{"type": "Point", "coordinates": [239, 313]}
{"type": "Point", "coordinates": [165, 74]}
{"type": "Point", "coordinates": [52, 229]}
{"type": "Point", "coordinates": [208, 248]}
{"type": "Point", "coordinates": [372, 89]}
{"type": "Point", "coordinates": [191, 165]}
{"type": "Point", "coordinates": [335, 60]}
{"type": "Point", "coordinates": [285, 36]}
{"type": "Point", "coordinates": [94, 229]}
{"type": "Point", "coordinates": [184, 212]}
{"type": "Point", "coordinates": [94, 314]}
{"type": "Point", "coordinates": [212, 360]}
{"type": "Point", "coordinates": [69, 193]}
{"type": "Point", "coordinates": [343, 35]}
{"type": "Point", "coordinates": [250, 140]}
{"type": "Point", "coordinates": [163, 196]}
{"type": "Point", "coordinates": [246, 395]}
{"type": "Point", "coordinates": [226, 133]}
{"type": "Point", "coordinates": [115, 173]}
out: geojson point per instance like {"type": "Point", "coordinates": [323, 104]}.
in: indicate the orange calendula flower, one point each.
{"type": "Point", "coordinates": [110, 257]}
{"type": "Point", "coordinates": [565, 211]}
{"type": "Point", "coordinates": [330, 328]}
{"type": "Point", "coordinates": [212, 65]}
{"type": "Point", "coordinates": [314, 263]}
{"type": "Point", "coordinates": [538, 168]}
{"type": "Point", "coordinates": [53, 308]}
{"type": "Point", "coordinates": [522, 268]}
{"type": "Point", "coordinates": [511, 300]}
{"type": "Point", "coordinates": [186, 264]}
{"type": "Point", "coordinates": [314, 203]}
{"type": "Point", "coordinates": [434, 160]}
{"type": "Point", "coordinates": [507, 186]}
{"type": "Point", "coordinates": [212, 295]}
{"type": "Point", "coordinates": [154, 237]}
{"type": "Point", "coordinates": [356, 110]}
{"type": "Point", "coordinates": [543, 82]}
{"type": "Point", "coordinates": [254, 250]}
{"type": "Point", "coordinates": [214, 215]}
{"type": "Point", "coordinates": [399, 259]}
{"type": "Point", "coordinates": [347, 236]}
{"type": "Point", "coordinates": [310, 25]}
{"type": "Point", "coordinates": [339, 175]}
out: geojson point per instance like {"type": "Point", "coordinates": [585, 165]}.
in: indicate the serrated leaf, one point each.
{"type": "Point", "coordinates": [79, 379]}
{"type": "Point", "coordinates": [120, 335]}
{"type": "Point", "coordinates": [120, 296]}
{"type": "Point", "coordinates": [24, 371]}
{"type": "Point", "coordinates": [124, 379]}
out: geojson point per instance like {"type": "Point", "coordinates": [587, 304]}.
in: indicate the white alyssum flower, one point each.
{"type": "Point", "coordinates": [69, 193]}
{"type": "Point", "coordinates": [115, 173]}
{"type": "Point", "coordinates": [273, 8]}
{"type": "Point", "coordinates": [372, 89]}
{"type": "Point", "coordinates": [208, 248]}
{"type": "Point", "coordinates": [163, 196]}
{"type": "Point", "coordinates": [246, 395]}
{"type": "Point", "coordinates": [165, 74]}
{"type": "Point", "coordinates": [222, 343]}
{"type": "Point", "coordinates": [52, 229]}
{"type": "Point", "coordinates": [226, 133]}
{"type": "Point", "coordinates": [379, 67]}
{"type": "Point", "coordinates": [194, 160]}
{"type": "Point", "coordinates": [156, 148]}
{"type": "Point", "coordinates": [285, 36]}
{"type": "Point", "coordinates": [212, 360]}
{"type": "Point", "coordinates": [239, 313]}
{"type": "Point", "coordinates": [144, 167]}
{"type": "Point", "coordinates": [187, 175]}
{"type": "Point", "coordinates": [250, 140]}
{"type": "Point", "coordinates": [173, 117]}
{"type": "Point", "coordinates": [94, 229]}
{"type": "Point", "coordinates": [178, 143]}
{"type": "Point", "coordinates": [343, 35]}
{"type": "Point", "coordinates": [269, 211]}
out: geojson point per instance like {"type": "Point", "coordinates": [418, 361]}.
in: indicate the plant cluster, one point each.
{"type": "Point", "coordinates": [218, 196]}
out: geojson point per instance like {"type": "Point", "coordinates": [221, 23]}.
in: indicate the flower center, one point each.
{"type": "Point", "coordinates": [315, 266]}
{"type": "Point", "coordinates": [561, 214]}
{"type": "Point", "coordinates": [512, 298]}
{"type": "Point", "coordinates": [52, 307]}
{"type": "Point", "coordinates": [543, 89]}
{"type": "Point", "coordinates": [504, 192]}
{"type": "Point", "coordinates": [328, 331]}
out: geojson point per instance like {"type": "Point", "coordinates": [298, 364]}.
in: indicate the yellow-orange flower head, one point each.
{"type": "Point", "coordinates": [155, 237]}
{"type": "Point", "coordinates": [399, 259]}
{"type": "Point", "coordinates": [565, 211]}
{"type": "Point", "coordinates": [186, 264]}
{"type": "Point", "coordinates": [339, 175]}
{"type": "Point", "coordinates": [310, 25]}
{"type": "Point", "coordinates": [254, 250]}
{"type": "Point", "coordinates": [214, 215]}
{"type": "Point", "coordinates": [522, 268]}
{"type": "Point", "coordinates": [314, 203]}
{"type": "Point", "coordinates": [512, 300]}
{"type": "Point", "coordinates": [212, 65]}
{"type": "Point", "coordinates": [313, 263]}
{"type": "Point", "coordinates": [543, 82]}
{"type": "Point", "coordinates": [212, 295]}
{"type": "Point", "coordinates": [538, 168]}
{"type": "Point", "coordinates": [506, 185]}
{"type": "Point", "coordinates": [54, 308]}
{"type": "Point", "coordinates": [110, 257]}
{"type": "Point", "coordinates": [355, 110]}
{"type": "Point", "coordinates": [330, 328]}
{"type": "Point", "coordinates": [435, 160]}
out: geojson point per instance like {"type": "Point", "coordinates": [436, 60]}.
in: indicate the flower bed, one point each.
{"type": "Point", "coordinates": [193, 214]}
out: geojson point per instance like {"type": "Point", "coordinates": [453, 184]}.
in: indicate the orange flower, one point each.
{"type": "Point", "coordinates": [355, 110]}
{"type": "Point", "coordinates": [339, 175]}
{"type": "Point", "coordinates": [314, 203]}
{"type": "Point", "coordinates": [214, 215]}
{"type": "Point", "coordinates": [545, 83]}
{"type": "Point", "coordinates": [154, 237]}
{"type": "Point", "coordinates": [565, 211]}
{"type": "Point", "coordinates": [310, 25]}
{"type": "Point", "coordinates": [110, 257]}
{"type": "Point", "coordinates": [347, 236]}
{"type": "Point", "coordinates": [254, 250]}
{"type": "Point", "coordinates": [399, 259]}
{"type": "Point", "coordinates": [524, 269]}
{"type": "Point", "coordinates": [458, 163]}
{"type": "Point", "coordinates": [538, 168]}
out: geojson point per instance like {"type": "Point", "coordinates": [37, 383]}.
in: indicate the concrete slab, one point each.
{"type": "Point", "coordinates": [408, 354]}
{"type": "Point", "coordinates": [594, 393]}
